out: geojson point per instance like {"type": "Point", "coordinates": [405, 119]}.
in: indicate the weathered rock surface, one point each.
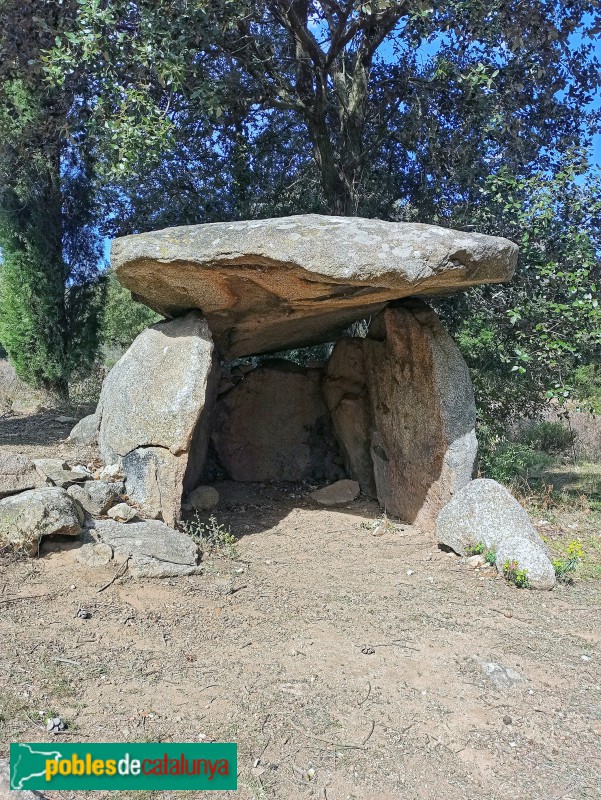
{"type": "Point", "coordinates": [122, 513]}
{"type": "Point", "coordinates": [336, 494]}
{"type": "Point", "coordinates": [25, 518]}
{"type": "Point", "coordinates": [347, 397]}
{"type": "Point", "coordinates": [274, 284]}
{"type": "Point", "coordinates": [17, 473]}
{"type": "Point", "coordinates": [155, 408]}
{"type": "Point", "coordinates": [57, 472]}
{"type": "Point", "coordinates": [86, 431]}
{"type": "Point", "coordinates": [96, 497]}
{"type": "Point", "coordinates": [274, 426]}
{"type": "Point", "coordinates": [484, 511]}
{"type": "Point", "coordinates": [423, 411]}
{"type": "Point", "coordinates": [95, 554]}
{"type": "Point", "coordinates": [203, 498]}
{"type": "Point", "coordinates": [154, 549]}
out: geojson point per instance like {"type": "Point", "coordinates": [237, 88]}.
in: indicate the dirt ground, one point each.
{"type": "Point", "coordinates": [345, 664]}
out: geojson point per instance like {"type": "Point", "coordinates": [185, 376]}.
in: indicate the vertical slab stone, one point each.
{"type": "Point", "coordinates": [423, 441]}
{"type": "Point", "coordinates": [347, 398]}
{"type": "Point", "coordinates": [155, 407]}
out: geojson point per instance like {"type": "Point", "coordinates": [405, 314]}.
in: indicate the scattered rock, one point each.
{"type": "Point", "coordinates": [63, 419]}
{"type": "Point", "coordinates": [273, 284]}
{"type": "Point", "coordinates": [485, 512]}
{"type": "Point", "coordinates": [367, 650]}
{"type": "Point", "coordinates": [96, 497]}
{"type": "Point", "coordinates": [112, 472]}
{"type": "Point", "coordinates": [336, 493]}
{"type": "Point", "coordinates": [95, 554]}
{"type": "Point", "coordinates": [58, 473]}
{"type": "Point", "coordinates": [83, 613]}
{"type": "Point", "coordinates": [25, 518]}
{"type": "Point", "coordinates": [17, 473]}
{"type": "Point", "coordinates": [507, 720]}
{"type": "Point", "coordinates": [502, 677]}
{"type": "Point", "coordinates": [476, 561]}
{"type": "Point", "coordinates": [55, 725]}
{"type": "Point", "coordinates": [155, 407]}
{"type": "Point", "coordinates": [86, 431]}
{"type": "Point", "coordinates": [203, 498]}
{"type": "Point", "coordinates": [122, 513]}
{"type": "Point", "coordinates": [155, 550]}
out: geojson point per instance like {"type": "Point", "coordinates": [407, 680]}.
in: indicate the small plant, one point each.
{"type": "Point", "coordinates": [565, 567]}
{"type": "Point", "coordinates": [552, 438]}
{"type": "Point", "coordinates": [515, 575]}
{"type": "Point", "coordinates": [212, 536]}
{"type": "Point", "coordinates": [491, 557]}
{"type": "Point", "coordinates": [476, 549]}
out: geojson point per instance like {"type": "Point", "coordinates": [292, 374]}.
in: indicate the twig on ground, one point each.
{"type": "Point", "coordinates": [367, 738]}
{"type": "Point", "coordinates": [25, 597]}
{"type": "Point", "coordinates": [119, 574]}
{"type": "Point", "coordinates": [366, 698]}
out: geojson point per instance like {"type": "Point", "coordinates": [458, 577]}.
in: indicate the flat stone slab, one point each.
{"type": "Point", "coordinates": [154, 549]}
{"type": "Point", "coordinates": [273, 284]}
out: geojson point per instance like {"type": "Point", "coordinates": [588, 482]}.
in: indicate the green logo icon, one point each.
{"type": "Point", "coordinates": [39, 766]}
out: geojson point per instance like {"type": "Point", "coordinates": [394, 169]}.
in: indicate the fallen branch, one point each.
{"type": "Point", "coordinates": [25, 597]}
{"type": "Point", "coordinates": [119, 574]}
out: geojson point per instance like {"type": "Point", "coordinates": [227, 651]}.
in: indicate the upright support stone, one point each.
{"type": "Point", "coordinates": [423, 442]}
{"type": "Point", "coordinates": [155, 408]}
{"type": "Point", "coordinates": [403, 410]}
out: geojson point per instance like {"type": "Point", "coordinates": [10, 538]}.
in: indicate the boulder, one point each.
{"type": "Point", "coordinates": [17, 473]}
{"type": "Point", "coordinates": [122, 513]}
{"type": "Point", "coordinates": [96, 497]}
{"type": "Point", "coordinates": [274, 426]}
{"type": "Point", "coordinates": [273, 284]}
{"type": "Point", "coordinates": [154, 549]}
{"type": "Point", "coordinates": [86, 431]}
{"type": "Point", "coordinates": [95, 554]}
{"type": "Point", "coordinates": [155, 409]}
{"type": "Point", "coordinates": [484, 512]}
{"type": "Point", "coordinates": [25, 518]}
{"type": "Point", "coordinates": [423, 443]}
{"type": "Point", "coordinates": [203, 498]}
{"type": "Point", "coordinates": [336, 494]}
{"type": "Point", "coordinates": [6, 793]}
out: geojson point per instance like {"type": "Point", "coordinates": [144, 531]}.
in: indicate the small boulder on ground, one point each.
{"type": "Point", "coordinates": [484, 512]}
{"type": "Point", "coordinates": [25, 518]}
{"type": "Point", "coordinates": [336, 493]}
{"type": "Point", "coordinates": [95, 554]}
{"type": "Point", "coordinates": [17, 473]}
{"type": "Point", "coordinates": [86, 431]}
{"type": "Point", "coordinates": [96, 497]}
{"type": "Point", "coordinates": [122, 513]}
{"type": "Point", "coordinates": [154, 549]}
{"type": "Point", "coordinates": [203, 498]}
{"type": "Point", "coordinates": [57, 472]}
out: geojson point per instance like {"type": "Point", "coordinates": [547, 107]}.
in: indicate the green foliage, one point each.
{"type": "Point", "coordinates": [476, 549]}
{"type": "Point", "coordinates": [513, 463]}
{"type": "Point", "coordinates": [549, 437]}
{"type": "Point", "coordinates": [565, 567]}
{"type": "Point", "coordinates": [491, 557]}
{"type": "Point", "coordinates": [586, 381]}
{"type": "Point", "coordinates": [515, 575]}
{"type": "Point", "coordinates": [122, 317]}
{"type": "Point", "coordinates": [212, 535]}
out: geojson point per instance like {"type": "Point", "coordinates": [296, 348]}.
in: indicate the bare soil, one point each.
{"type": "Point", "coordinates": [345, 664]}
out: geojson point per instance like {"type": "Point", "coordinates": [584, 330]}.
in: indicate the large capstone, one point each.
{"type": "Point", "coordinates": [155, 410]}
{"type": "Point", "coordinates": [272, 284]}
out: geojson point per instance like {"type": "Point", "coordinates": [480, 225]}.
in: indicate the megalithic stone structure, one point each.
{"type": "Point", "coordinates": [399, 400]}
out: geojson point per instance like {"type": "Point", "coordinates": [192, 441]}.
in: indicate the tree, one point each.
{"type": "Point", "coordinates": [50, 252]}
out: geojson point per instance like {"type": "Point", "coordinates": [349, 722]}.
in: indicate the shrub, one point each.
{"type": "Point", "coordinates": [549, 437]}
{"type": "Point", "coordinates": [515, 575]}
{"type": "Point", "coordinates": [514, 463]}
